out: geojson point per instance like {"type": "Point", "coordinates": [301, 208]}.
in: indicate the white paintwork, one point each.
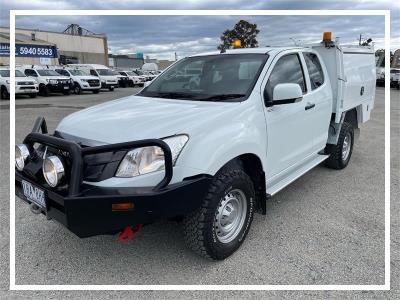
{"type": "Point", "coordinates": [350, 69]}
{"type": "Point", "coordinates": [286, 138]}
{"type": "Point", "coordinates": [286, 91]}
{"type": "Point", "coordinates": [40, 79]}
{"type": "Point", "coordinates": [81, 79]}
{"type": "Point", "coordinates": [106, 80]}
{"type": "Point", "coordinates": [33, 86]}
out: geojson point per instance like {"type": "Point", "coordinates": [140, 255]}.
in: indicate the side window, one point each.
{"type": "Point", "coordinates": [65, 73]}
{"type": "Point", "coordinates": [287, 70]}
{"type": "Point", "coordinates": [314, 70]}
{"type": "Point", "coordinates": [93, 72]}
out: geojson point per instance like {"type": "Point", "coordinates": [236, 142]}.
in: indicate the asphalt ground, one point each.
{"type": "Point", "coordinates": [325, 228]}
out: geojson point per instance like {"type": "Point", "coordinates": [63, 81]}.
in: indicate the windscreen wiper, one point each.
{"type": "Point", "coordinates": [174, 95]}
{"type": "Point", "coordinates": [224, 97]}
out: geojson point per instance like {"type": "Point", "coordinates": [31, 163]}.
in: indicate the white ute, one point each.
{"type": "Point", "coordinates": [49, 81]}
{"type": "Point", "coordinates": [107, 77]}
{"type": "Point", "coordinates": [23, 85]}
{"type": "Point", "coordinates": [256, 120]}
{"type": "Point", "coordinates": [82, 81]}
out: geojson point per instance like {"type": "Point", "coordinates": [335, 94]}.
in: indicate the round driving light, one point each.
{"type": "Point", "coordinates": [21, 155]}
{"type": "Point", "coordinates": [53, 170]}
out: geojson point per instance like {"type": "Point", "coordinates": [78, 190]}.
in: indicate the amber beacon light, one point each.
{"type": "Point", "coordinates": [327, 36]}
{"type": "Point", "coordinates": [237, 43]}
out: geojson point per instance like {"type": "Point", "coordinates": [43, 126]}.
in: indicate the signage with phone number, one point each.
{"type": "Point", "coordinates": [29, 50]}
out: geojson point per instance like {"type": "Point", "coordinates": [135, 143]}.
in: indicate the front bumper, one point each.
{"type": "Point", "coordinates": [59, 87]}
{"type": "Point", "coordinates": [90, 212]}
{"type": "Point", "coordinates": [86, 209]}
{"type": "Point", "coordinates": [26, 89]}
{"type": "Point", "coordinates": [106, 85]}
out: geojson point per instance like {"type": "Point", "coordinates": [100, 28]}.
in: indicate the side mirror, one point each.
{"type": "Point", "coordinates": [286, 93]}
{"type": "Point", "coordinates": [147, 83]}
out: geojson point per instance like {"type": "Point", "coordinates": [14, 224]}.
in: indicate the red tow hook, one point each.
{"type": "Point", "coordinates": [128, 233]}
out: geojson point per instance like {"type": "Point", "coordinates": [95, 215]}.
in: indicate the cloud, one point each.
{"type": "Point", "coordinates": [162, 36]}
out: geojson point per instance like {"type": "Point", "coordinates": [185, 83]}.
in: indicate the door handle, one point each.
{"type": "Point", "coordinates": [309, 106]}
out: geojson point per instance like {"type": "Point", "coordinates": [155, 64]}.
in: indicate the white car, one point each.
{"type": "Point", "coordinates": [123, 80]}
{"type": "Point", "coordinates": [81, 80]}
{"type": "Point", "coordinates": [395, 78]}
{"type": "Point", "coordinates": [23, 85]}
{"type": "Point", "coordinates": [134, 79]}
{"type": "Point", "coordinates": [211, 154]}
{"type": "Point", "coordinates": [107, 77]}
{"type": "Point", "coordinates": [49, 81]}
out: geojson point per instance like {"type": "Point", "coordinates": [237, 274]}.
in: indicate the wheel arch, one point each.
{"type": "Point", "coordinates": [253, 167]}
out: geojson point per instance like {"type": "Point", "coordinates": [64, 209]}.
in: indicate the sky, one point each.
{"type": "Point", "coordinates": [161, 36]}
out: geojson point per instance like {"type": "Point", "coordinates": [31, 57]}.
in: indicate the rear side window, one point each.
{"type": "Point", "coordinates": [314, 70]}
{"type": "Point", "coordinates": [287, 70]}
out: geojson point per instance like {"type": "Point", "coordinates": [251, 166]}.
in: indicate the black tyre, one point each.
{"type": "Point", "coordinates": [77, 89]}
{"type": "Point", "coordinates": [111, 88]}
{"type": "Point", "coordinates": [220, 225]}
{"type": "Point", "coordinates": [33, 95]}
{"type": "Point", "coordinates": [67, 92]}
{"type": "Point", "coordinates": [43, 90]}
{"type": "Point", "coordinates": [340, 154]}
{"type": "Point", "coordinates": [96, 91]}
{"type": "Point", "coordinates": [4, 95]}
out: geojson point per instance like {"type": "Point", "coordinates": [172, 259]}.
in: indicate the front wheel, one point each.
{"type": "Point", "coordinates": [77, 89]}
{"type": "Point", "coordinates": [111, 88]}
{"type": "Point", "coordinates": [4, 94]}
{"type": "Point", "coordinates": [218, 228]}
{"type": "Point", "coordinates": [340, 154]}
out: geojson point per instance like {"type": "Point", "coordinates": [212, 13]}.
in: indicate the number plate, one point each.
{"type": "Point", "coordinates": [66, 87]}
{"type": "Point", "coordinates": [33, 194]}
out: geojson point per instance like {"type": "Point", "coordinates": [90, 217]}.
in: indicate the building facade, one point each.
{"type": "Point", "coordinates": [31, 45]}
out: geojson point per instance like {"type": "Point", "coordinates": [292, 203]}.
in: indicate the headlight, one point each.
{"type": "Point", "coordinates": [150, 159]}
{"type": "Point", "coordinates": [53, 81]}
{"type": "Point", "coordinates": [53, 170]}
{"type": "Point", "coordinates": [84, 80]}
{"type": "Point", "coordinates": [21, 155]}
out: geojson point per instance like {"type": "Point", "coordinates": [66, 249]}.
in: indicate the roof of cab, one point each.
{"type": "Point", "coordinates": [264, 50]}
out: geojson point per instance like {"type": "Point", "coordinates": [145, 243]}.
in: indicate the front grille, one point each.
{"type": "Point", "coordinates": [25, 83]}
{"type": "Point", "coordinates": [93, 82]}
{"type": "Point", "coordinates": [63, 81]}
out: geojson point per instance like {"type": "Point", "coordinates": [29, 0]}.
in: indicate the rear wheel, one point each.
{"type": "Point", "coordinates": [340, 154]}
{"type": "Point", "coordinates": [218, 228]}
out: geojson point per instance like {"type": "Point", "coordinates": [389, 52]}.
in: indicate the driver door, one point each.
{"type": "Point", "coordinates": [289, 126]}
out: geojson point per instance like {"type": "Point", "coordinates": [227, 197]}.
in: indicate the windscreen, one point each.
{"type": "Point", "coordinates": [105, 72]}
{"type": "Point", "coordinates": [229, 77]}
{"type": "Point", "coordinates": [6, 73]}
{"type": "Point", "coordinates": [78, 73]}
{"type": "Point", "coordinates": [47, 73]}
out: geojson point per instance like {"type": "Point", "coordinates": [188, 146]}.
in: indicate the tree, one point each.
{"type": "Point", "coordinates": [244, 31]}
